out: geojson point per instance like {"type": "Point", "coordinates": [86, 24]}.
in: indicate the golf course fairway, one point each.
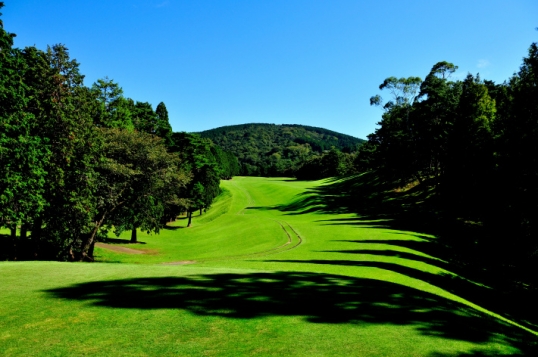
{"type": "Point", "coordinates": [258, 275]}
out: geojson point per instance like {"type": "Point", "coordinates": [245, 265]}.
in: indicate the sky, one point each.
{"type": "Point", "coordinates": [317, 63]}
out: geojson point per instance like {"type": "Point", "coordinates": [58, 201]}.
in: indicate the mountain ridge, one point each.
{"type": "Point", "coordinates": [265, 149]}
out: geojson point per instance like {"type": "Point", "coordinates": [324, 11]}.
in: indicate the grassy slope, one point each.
{"type": "Point", "coordinates": [341, 286]}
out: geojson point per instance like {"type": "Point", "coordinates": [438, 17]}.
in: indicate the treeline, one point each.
{"type": "Point", "coordinates": [280, 150]}
{"type": "Point", "coordinates": [78, 161]}
{"type": "Point", "coordinates": [473, 142]}
{"type": "Point", "coordinates": [328, 164]}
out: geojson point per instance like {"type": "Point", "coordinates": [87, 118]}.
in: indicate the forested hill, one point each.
{"type": "Point", "coordinates": [271, 149]}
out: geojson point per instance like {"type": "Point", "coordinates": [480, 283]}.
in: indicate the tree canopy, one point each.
{"type": "Point", "coordinates": [78, 161]}
{"type": "Point", "coordinates": [473, 141]}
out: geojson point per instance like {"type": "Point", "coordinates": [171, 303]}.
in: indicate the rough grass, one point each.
{"type": "Point", "coordinates": [281, 269]}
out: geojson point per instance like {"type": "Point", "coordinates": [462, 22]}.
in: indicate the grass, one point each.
{"type": "Point", "coordinates": [282, 268]}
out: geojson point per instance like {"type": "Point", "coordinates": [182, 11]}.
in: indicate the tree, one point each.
{"type": "Point", "coordinates": [195, 154]}
{"type": "Point", "coordinates": [403, 91]}
{"type": "Point", "coordinates": [433, 119]}
{"type": "Point", "coordinates": [61, 105]}
{"type": "Point", "coordinates": [469, 158]}
{"type": "Point", "coordinates": [163, 128]}
{"type": "Point", "coordinates": [517, 144]}
{"type": "Point", "coordinates": [136, 179]}
{"type": "Point", "coordinates": [144, 118]}
{"type": "Point", "coordinates": [23, 156]}
{"type": "Point", "coordinates": [113, 111]}
{"type": "Point", "coordinates": [393, 140]}
{"type": "Point", "coordinates": [159, 181]}
{"type": "Point", "coordinates": [226, 161]}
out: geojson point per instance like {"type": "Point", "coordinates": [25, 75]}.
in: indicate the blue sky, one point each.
{"type": "Point", "coordinates": [317, 63]}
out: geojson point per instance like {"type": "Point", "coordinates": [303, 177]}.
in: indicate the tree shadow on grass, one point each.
{"type": "Point", "coordinates": [173, 228]}
{"type": "Point", "coordinates": [318, 298]}
{"type": "Point", "coordinates": [488, 285]}
{"type": "Point", "coordinates": [281, 179]}
{"type": "Point", "coordinates": [453, 242]}
{"type": "Point", "coordinates": [478, 294]}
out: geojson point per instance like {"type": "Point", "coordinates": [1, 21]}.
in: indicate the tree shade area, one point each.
{"type": "Point", "coordinates": [471, 144]}
{"type": "Point", "coordinates": [78, 161]}
{"type": "Point", "coordinates": [281, 150]}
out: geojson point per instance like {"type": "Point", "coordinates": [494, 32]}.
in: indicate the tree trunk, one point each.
{"type": "Point", "coordinates": [189, 214]}
{"type": "Point", "coordinates": [36, 235]}
{"type": "Point", "coordinates": [87, 254]}
{"type": "Point", "coordinates": [92, 247]}
{"type": "Point", "coordinates": [14, 242]}
{"type": "Point", "coordinates": [36, 228]}
{"type": "Point", "coordinates": [24, 231]}
{"type": "Point", "coordinates": [133, 236]}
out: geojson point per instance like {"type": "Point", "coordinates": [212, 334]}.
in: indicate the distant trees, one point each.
{"type": "Point", "coordinates": [226, 161]}
{"type": "Point", "coordinates": [197, 158]}
{"type": "Point", "coordinates": [332, 163]}
{"type": "Point", "coordinates": [278, 150]}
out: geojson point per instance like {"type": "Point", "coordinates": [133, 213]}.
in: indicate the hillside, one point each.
{"type": "Point", "coordinates": [273, 150]}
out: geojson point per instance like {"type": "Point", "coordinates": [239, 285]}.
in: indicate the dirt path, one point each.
{"type": "Point", "coordinates": [119, 249]}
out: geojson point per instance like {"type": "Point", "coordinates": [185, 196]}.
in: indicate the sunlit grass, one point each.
{"type": "Point", "coordinates": [343, 286]}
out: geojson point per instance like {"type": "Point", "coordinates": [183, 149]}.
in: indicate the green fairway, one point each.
{"type": "Point", "coordinates": [261, 273]}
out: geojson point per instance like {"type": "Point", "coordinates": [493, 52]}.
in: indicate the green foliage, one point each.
{"type": "Point", "coordinates": [516, 132]}
{"type": "Point", "coordinates": [49, 148]}
{"type": "Point", "coordinates": [163, 129]}
{"type": "Point", "coordinates": [63, 126]}
{"type": "Point", "coordinates": [23, 155]}
{"type": "Point", "coordinates": [330, 164]}
{"type": "Point", "coordinates": [72, 165]}
{"type": "Point", "coordinates": [197, 158]}
{"type": "Point", "coordinates": [114, 110]}
{"type": "Point", "coordinates": [403, 91]}
{"type": "Point", "coordinates": [136, 180]}
{"type": "Point", "coordinates": [277, 150]}
{"type": "Point", "coordinates": [470, 151]}
{"type": "Point", "coordinates": [144, 117]}
{"type": "Point", "coordinates": [153, 122]}
{"type": "Point", "coordinates": [226, 161]}
{"type": "Point", "coordinates": [474, 141]}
